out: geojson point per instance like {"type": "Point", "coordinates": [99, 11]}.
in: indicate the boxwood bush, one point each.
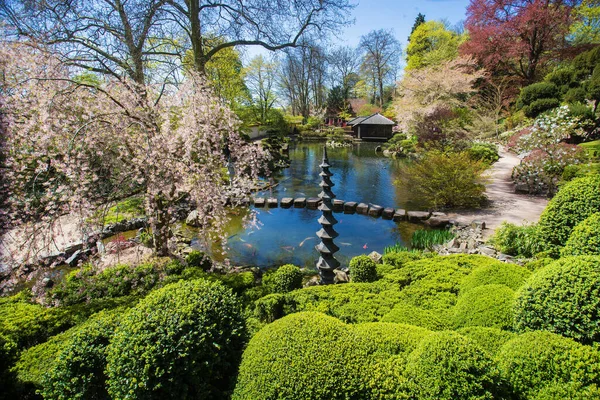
{"type": "Point", "coordinates": [538, 359]}
{"type": "Point", "coordinates": [489, 339]}
{"type": "Point", "coordinates": [573, 203]}
{"type": "Point", "coordinates": [564, 298]}
{"type": "Point", "coordinates": [585, 238]}
{"type": "Point", "coordinates": [381, 340]}
{"type": "Point", "coordinates": [404, 313]}
{"type": "Point", "coordinates": [286, 278]}
{"type": "Point", "coordinates": [182, 341]}
{"type": "Point", "coordinates": [362, 269]}
{"type": "Point", "coordinates": [487, 305]}
{"type": "Point", "coordinates": [496, 272]}
{"type": "Point", "coordinates": [518, 240]}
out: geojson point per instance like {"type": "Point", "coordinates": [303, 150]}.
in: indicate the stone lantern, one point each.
{"type": "Point", "coordinates": [327, 262]}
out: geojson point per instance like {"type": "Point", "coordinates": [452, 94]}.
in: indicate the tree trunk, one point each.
{"type": "Point", "coordinates": [160, 225]}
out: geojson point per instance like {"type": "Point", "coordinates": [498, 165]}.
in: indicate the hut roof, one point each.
{"type": "Point", "coordinates": [375, 119]}
{"type": "Point", "coordinates": [356, 120]}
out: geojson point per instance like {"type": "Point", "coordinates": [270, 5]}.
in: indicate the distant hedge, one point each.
{"type": "Point", "coordinates": [362, 269]}
{"type": "Point", "coordinates": [585, 238]}
{"type": "Point", "coordinates": [487, 305]}
{"type": "Point", "coordinates": [496, 272]}
{"type": "Point", "coordinates": [286, 278]}
{"type": "Point", "coordinates": [181, 342]}
{"type": "Point", "coordinates": [564, 298]}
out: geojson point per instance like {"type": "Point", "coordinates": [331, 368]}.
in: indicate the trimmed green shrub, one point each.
{"type": "Point", "coordinates": [397, 259]}
{"type": "Point", "coordinates": [573, 203]}
{"type": "Point", "coordinates": [269, 308]}
{"type": "Point", "coordinates": [447, 365]}
{"type": "Point", "coordinates": [287, 278]}
{"type": "Point", "coordinates": [489, 339]}
{"type": "Point", "coordinates": [518, 240]}
{"type": "Point", "coordinates": [363, 269]}
{"type": "Point", "coordinates": [564, 298]}
{"type": "Point", "coordinates": [182, 341]}
{"type": "Point", "coordinates": [8, 353]}
{"type": "Point", "coordinates": [404, 313]}
{"type": "Point", "coordinates": [487, 305]}
{"type": "Point", "coordinates": [198, 258]}
{"type": "Point", "coordinates": [538, 359]}
{"type": "Point", "coordinates": [540, 106]}
{"type": "Point", "coordinates": [487, 152]}
{"type": "Point", "coordinates": [78, 372]}
{"type": "Point", "coordinates": [388, 379]}
{"type": "Point", "coordinates": [536, 91]}
{"type": "Point", "coordinates": [569, 391]}
{"type": "Point", "coordinates": [301, 356]}
{"type": "Point", "coordinates": [585, 238]}
{"type": "Point", "coordinates": [382, 340]}
{"type": "Point", "coordinates": [575, 95]}
{"type": "Point", "coordinates": [496, 272]}
{"type": "Point", "coordinates": [539, 263]}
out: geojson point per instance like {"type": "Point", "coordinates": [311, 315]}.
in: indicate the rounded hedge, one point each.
{"type": "Point", "coordinates": [564, 298]}
{"type": "Point", "coordinates": [399, 258]}
{"type": "Point", "coordinates": [585, 238]}
{"type": "Point", "coordinates": [404, 313]}
{"type": "Point", "coordinates": [496, 272]}
{"type": "Point", "coordinates": [288, 277]}
{"type": "Point", "coordinates": [573, 203]}
{"type": "Point", "coordinates": [487, 305]}
{"type": "Point", "coordinates": [78, 372]}
{"type": "Point", "coordinates": [363, 269]}
{"type": "Point", "coordinates": [198, 258]}
{"type": "Point", "coordinates": [382, 340]}
{"type": "Point", "coordinates": [447, 365]}
{"type": "Point", "coordinates": [182, 341]}
{"type": "Point", "coordinates": [489, 339]}
{"type": "Point", "coordinates": [535, 360]}
{"type": "Point", "coordinates": [305, 355]}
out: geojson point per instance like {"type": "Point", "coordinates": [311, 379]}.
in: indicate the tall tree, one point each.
{"type": "Point", "coordinates": [381, 59]}
{"type": "Point", "coordinates": [515, 37]}
{"type": "Point", "coordinates": [261, 76]}
{"type": "Point", "coordinates": [343, 62]}
{"type": "Point", "coordinates": [226, 75]}
{"type": "Point", "coordinates": [431, 44]}
{"type": "Point", "coordinates": [586, 28]}
{"type": "Point", "coordinates": [418, 21]}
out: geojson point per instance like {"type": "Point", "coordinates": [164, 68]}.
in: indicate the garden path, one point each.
{"type": "Point", "coordinates": [504, 203]}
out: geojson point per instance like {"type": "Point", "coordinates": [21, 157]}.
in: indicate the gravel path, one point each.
{"type": "Point", "coordinates": [505, 204]}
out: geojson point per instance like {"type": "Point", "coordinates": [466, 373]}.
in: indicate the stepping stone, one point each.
{"type": "Point", "coordinates": [417, 216]}
{"type": "Point", "coordinates": [338, 205]}
{"type": "Point", "coordinates": [313, 202]}
{"type": "Point", "coordinates": [287, 202]}
{"type": "Point", "coordinates": [388, 213]}
{"type": "Point", "coordinates": [399, 215]}
{"type": "Point", "coordinates": [478, 224]}
{"type": "Point", "coordinates": [272, 202]}
{"type": "Point", "coordinates": [362, 208]}
{"type": "Point", "coordinates": [300, 202]}
{"type": "Point", "coordinates": [259, 202]}
{"type": "Point", "coordinates": [438, 222]}
{"type": "Point", "coordinates": [349, 207]}
{"type": "Point", "coordinates": [375, 210]}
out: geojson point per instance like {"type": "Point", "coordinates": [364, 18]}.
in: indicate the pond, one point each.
{"type": "Point", "coordinates": [281, 236]}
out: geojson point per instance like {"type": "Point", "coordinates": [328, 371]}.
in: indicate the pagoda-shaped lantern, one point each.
{"type": "Point", "coordinates": [327, 262]}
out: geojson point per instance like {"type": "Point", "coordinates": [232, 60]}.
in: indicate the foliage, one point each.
{"type": "Point", "coordinates": [424, 239]}
{"type": "Point", "coordinates": [573, 203]}
{"type": "Point", "coordinates": [446, 365]}
{"type": "Point", "coordinates": [487, 152]}
{"type": "Point", "coordinates": [518, 240]}
{"type": "Point", "coordinates": [536, 92]}
{"type": "Point", "coordinates": [362, 269]}
{"type": "Point", "coordinates": [446, 180]}
{"type": "Point", "coordinates": [395, 248]}
{"type": "Point", "coordinates": [270, 307]}
{"type": "Point", "coordinates": [540, 106]}
{"type": "Point", "coordinates": [563, 298]}
{"type": "Point", "coordinates": [123, 210]}
{"type": "Point", "coordinates": [398, 258]}
{"type": "Point", "coordinates": [431, 44]}
{"type": "Point", "coordinates": [487, 305]}
{"type": "Point", "coordinates": [78, 371]}
{"type": "Point", "coordinates": [405, 313]}
{"type": "Point", "coordinates": [586, 27]}
{"type": "Point", "coordinates": [198, 259]}
{"type": "Point", "coordinates": [585, 238]}
{"type": "Point", "coordinates": [534, 360]}
{"type": "Point", "coordinates": [495, 273]}
{"type": "Point", "coordinates": [488, 339]}
{"type": "Point", "coordinates": [260, 76]}
{"type": "Point", "coordinates": [182, 341]}
{"type": "Point", "coordinates": [401, 145]}
{"type": "Point", "coordinates": [286, 278]}
{"type": "Point", "coordinates": [225, 74]}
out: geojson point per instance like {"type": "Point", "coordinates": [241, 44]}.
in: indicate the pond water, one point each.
{"type": "Point", "coordinates": [282, 236]}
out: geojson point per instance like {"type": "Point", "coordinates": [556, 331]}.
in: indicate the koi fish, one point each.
{"type": "Point", "coordinates": [242, 240]}
{"type": "Point", "coordinates": [289, 249]}
{"type": "Point", "coordinates": [346, 244]}
{"type": "Point", "coordinates": [268, 212]}
{"type": "Point", "coordinates": [302, 242]}
{"type": "Point", "coordinates": [365, 246]}
{"type": "Point", "coordinates": [248, 245]}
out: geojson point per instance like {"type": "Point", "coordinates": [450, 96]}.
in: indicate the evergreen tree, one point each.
{"type": "Point", "coordinates": [418, 21]}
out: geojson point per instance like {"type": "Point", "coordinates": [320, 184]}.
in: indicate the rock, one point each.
{"type": "Point", "coordinates": [338, 205]}
{"type": "Point", "coordinates": [487, 251]}
{"type": "Point", "coordinates": [376, 257]}
{"type": "Point", "coordinates": [340, 277]}
{"type": "Point", "coordinates": [362, 208]}
{"type": "Point", "coordinates": [437, 222]}
{"type": "Point", "coordinates": [350, 207]}
{"type": "Point", "coordinates": [399, 215]}
{"type": "Point", "coordinates": [73, 259]}
{"type": "Point", "coordinates": [272, 202]}
{"type": "Point", "coordinates": [417, 216]}
{"type": "Point", "coordinates": [505, 258]}
{"type": "Point", "coordinates": [471, 244]}
{"type": "Point", "coordinates": [313, 203]}
{"type": "Point", "coordinates": [522, 188]}
{"type": "Point", "coordinates": [73, 247]}
{"type": "Point", "coordinates": [287, 202]}
{"type": "Point", "coordinates": [375, 210]}
{"type": "Point", "coordinates": [438, 214]}
{"type": "Point", "coordinates": [451, 243]}
{"type": "Point", "coordinates": [378, 149]}
{"type": "Point", "coordinates": [478, 224]}
{"type": "Point", "coordinates": [314, 281]}
{"type": "Point", "coordinates": [192, 219]}
{"type": "Point", "coordinates": [387, 213]}
{"type": "Point", "coordinates": [300, 202]}
{"type": "Point", "coordinates": [47, 282]}
{"type": "Point", "coordinates": [259, 202]}
{"type": "Point", "coordinates": [387, 153]}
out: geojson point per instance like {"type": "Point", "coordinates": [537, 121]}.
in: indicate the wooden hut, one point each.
{"type": "Point", "coordinates": [373, 127]}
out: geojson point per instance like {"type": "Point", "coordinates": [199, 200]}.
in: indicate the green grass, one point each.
{"type": "Point", "coordinates": [396, 248]}
{"type": "Point", "coordinates": [126, 209]}
{"type": "Point", "coordinates": [593, 148]}
{"type": "Point", "coordinates": [426, 239]}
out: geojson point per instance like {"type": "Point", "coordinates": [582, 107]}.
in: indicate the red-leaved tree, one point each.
{"type": "Point", "coordinates": [515, 37]}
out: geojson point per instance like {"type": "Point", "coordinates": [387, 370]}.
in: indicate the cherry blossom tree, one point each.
{"type": "Point", "coordinates": [73, 146]}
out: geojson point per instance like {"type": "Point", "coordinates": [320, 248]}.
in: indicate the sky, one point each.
{"type": "Point", "coordinates": [396, 15]}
